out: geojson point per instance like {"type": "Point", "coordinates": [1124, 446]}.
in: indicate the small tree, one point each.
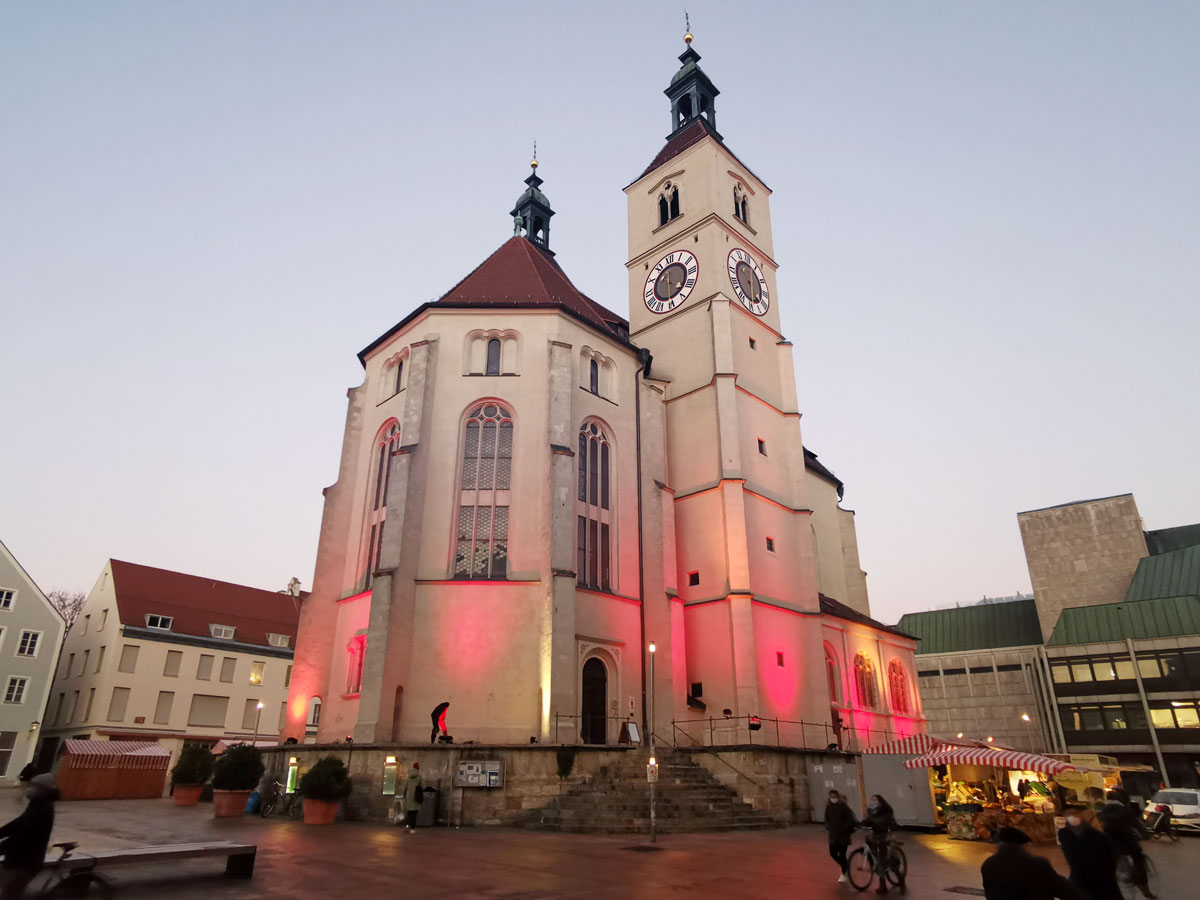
{"type": "Point", "coordinates": [194, 766]}
{"type": "Point", "coordinates": [327, 780]}
{"type": "Point", "coordinates": [238, 769]}
{"type": "Point", "coordinates": [68, 604]}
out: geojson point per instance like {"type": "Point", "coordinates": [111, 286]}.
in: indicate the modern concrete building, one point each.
{"type": "Point", "coordinates": [1109, 663]}
{"type": "Point", "coordinates": [31, 633]}
{"type": "Point", "coordinates": [533, 489]}
{"type": "Point", "coordinates": [159, 655]}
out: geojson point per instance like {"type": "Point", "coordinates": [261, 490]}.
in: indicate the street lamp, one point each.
{"type": "Point", "coordinates": [652, 768]}
{"type": "Point", "coordinates": [257, 718]}
{"type": "Point", "coordinates": [1029, 731]}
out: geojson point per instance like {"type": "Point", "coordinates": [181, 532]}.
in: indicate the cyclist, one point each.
{"type": "Point", "coordinates": [880, 819]}
{"type": "Point", "coordinates": [23, 841]}
{"type": "Point", "coordinates": [1090, 856]}
{"type": "Point", "coordinates": [1125, 829]}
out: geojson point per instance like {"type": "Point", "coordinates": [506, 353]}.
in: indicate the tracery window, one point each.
{"type": "Point", "coordinates": [865, 682]}
{"type": "Point", "coordinates": [898, 687]}
{"type": "Point", "coordinates": [834, 678]}
{"type": "Point", "coordinates": [741, 206]}
{"type": "Point", "coordinates": [386, 444]}
{"type": "Point", "coordinates": [481, 549]}
{"type": "Point", "coordinates": [668, 204]}
{"type": "Point", "coordinates": [593, 508]}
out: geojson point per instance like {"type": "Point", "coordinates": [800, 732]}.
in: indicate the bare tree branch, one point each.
{"type": "Point", "coordinates": [68, 603]}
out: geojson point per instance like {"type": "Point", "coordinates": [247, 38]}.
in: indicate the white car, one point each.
{"type": "Point", "coordinates": [1185, 807]}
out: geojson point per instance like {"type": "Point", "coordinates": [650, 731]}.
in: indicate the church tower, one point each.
{"type": "Point", "coordinates": [703, 301]}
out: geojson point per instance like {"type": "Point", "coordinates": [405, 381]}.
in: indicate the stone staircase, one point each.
{"type": "Point", "coordinates": [616, 800]}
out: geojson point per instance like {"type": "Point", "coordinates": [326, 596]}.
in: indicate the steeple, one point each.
{"type": "Point", "coordinates": [691, 93]}
{"type": "Point", "coordinates": [531, 215]}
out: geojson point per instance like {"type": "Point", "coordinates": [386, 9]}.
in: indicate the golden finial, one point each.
{"type": "Point", "coordinates": [687, 38]}
{"type": "Point", "coordinates": [533, 162]}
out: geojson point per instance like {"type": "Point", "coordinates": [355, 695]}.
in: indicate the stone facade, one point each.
{"type": "Point", "coordinates": [1081, 554]}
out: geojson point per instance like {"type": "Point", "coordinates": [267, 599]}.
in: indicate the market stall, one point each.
{"type": "Point", "coordinates": [986, 788]}
{"type": "Point", "coordinates": [913, 794]}
{"type": "Point", "coordinates": [104, 770]}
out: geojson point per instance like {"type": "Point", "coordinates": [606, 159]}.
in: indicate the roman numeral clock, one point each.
{"type": "Point", "coordinates": [670, 281]}
{"type": "Point", "coordinates": [748, 283]}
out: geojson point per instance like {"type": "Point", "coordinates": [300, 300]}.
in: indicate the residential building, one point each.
{"type": "Point", "coordinates": [31, 633]}
{"type": "Point", "coordinates": [533, 489]}
{"type": "Point", "coordinates": [174, 658]}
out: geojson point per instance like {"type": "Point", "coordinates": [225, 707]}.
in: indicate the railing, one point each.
{"type": "Point", "coordinates": [574, 733]}
{"type": "Point", "coordinates": [790, 733]}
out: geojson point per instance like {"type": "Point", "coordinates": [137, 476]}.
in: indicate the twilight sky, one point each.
{"type": "Point", "coordinates": [987, 216]}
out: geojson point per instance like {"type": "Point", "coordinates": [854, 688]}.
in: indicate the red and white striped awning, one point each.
{"type": "Point", "coordinates": [123, 754]}
{"type": "Point", "coordinates": [911, 745]}
{"type": "Point", "coordinates": [990, 756]}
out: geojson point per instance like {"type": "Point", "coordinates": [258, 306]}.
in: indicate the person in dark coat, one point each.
{"type": "Point", "coordinates": [881, 819]}
{"type": "Point", "coordinates": [23, 841]}
{"type": "Point", "coordinates": [1090, 856]}
{"type": "Point", "coordinates": [414, 794]}
{"type": "Point", "coordinates": [840, 823]}
{"type": "Point", "coordinates": [439, 720]}
{"type": "Point", "coordinates": [1125, 830]}
{"type": "Point", "coordinates": [1011, 873]}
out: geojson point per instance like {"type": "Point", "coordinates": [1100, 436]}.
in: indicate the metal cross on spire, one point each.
{"type": "Point", "coordinates": [533, 163]}
{"type": "Point", "coordinates": [687, 23]}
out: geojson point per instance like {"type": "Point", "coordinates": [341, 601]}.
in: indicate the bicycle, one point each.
{"type": "Point", "coordinates": [1130, 889]}
{"type": "Point", "coordinates": [1158, 821]}
{"type": "Point", "coordinates": [863, 865]}
{"type": "Point", "coordinates": [287, 804]}
{"type": "Point", "coordinates": [62, 882]}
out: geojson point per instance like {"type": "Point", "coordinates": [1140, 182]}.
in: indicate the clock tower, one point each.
{"type": "Point", "coordinates": [703, 301]}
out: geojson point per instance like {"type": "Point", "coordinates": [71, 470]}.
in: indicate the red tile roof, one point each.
{"type": "Point", "coordinates": [194, 603]}
{"type": "Point", "coordinates": [521, 274]}
{"type": "Point", "coordinates": [693, 134]}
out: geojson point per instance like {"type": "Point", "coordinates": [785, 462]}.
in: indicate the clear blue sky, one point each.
{"type": "Point", "coordinates": [988, 218]}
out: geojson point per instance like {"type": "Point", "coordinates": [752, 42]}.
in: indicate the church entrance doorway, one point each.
{"type": "Point", "coordinates": [595, 699]}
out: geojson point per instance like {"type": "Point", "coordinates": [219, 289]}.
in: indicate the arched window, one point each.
{"type": "Point", "coordinates": [865, 682]}
{"type": "Point", "coordinates": [399, 376]}
{"type": "Point", "coordinates": [664, 210]}
{"type": "Point", "coordinates": [481, 549]}
{"type": "Point", "coordinates": [493, 357]}
{"type": "Point", "coordinates": [668, 204]}
{"type": "Point", "coordinates": [386, 443]}
{"type": "Point", "coordinates": [594, 376]}
{"type": "Point", "coordinates": [593, 508]}
{"type": "Point", "coordinates": [356, 654]}
{"type": "Point", "coordinates": [898, 687]}
{"type": "Point", "coordinates": [675, 203]}
{"type": "Point", "coordinates": [741, 207]}
{"type": "Point", "coordinates": [314, 714]}
{"type": "Point", "coordinates": [834, 678]}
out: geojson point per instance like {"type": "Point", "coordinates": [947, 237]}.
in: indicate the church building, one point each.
{"type": "Point", "coordinates": [534, 491]}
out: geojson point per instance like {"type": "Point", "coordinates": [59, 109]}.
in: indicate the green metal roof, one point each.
{"type": "Point", "coordinates": [1174, 574]}
{"type": "Point", "coordinates": [1139, 619]}
{"type": "Point", "coordinates": [983, 627]}
{"type": "Point", "coordinates": [1165, 540]}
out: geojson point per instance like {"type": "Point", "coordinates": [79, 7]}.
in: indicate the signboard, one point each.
{"type": "Point", "coordinates": [480, 773]}
{"type": "Point", "coordinates": [652, 772]}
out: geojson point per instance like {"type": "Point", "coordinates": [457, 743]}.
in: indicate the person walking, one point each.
{"type": "Point", "coordinates": [439, 720]}
{"type": "Point", "coordinates": [840, 823]}
{"type": "Point", "coordinates": [1011, 873]}
{"type": "Point", "coordinates": [1124, 828]}
{"type": "Point", "coordinates": [23, 841]}
{"type": "Point", "coordinates": [1090, 856]}
{"type": "Point", "coordinates": [414, 793]}
{"type": "Point", "coordinates": [881, 819]}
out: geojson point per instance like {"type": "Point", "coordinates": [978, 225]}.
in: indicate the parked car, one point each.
{"type": "Point", "coordinates": [1185, 807]}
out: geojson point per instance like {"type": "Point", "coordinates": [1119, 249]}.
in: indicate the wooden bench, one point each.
{"type": "Point", "coordinates": [239, 857]}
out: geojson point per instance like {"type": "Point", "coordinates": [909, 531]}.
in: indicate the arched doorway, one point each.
{"type": "Point", "coordinates": [593, 701]}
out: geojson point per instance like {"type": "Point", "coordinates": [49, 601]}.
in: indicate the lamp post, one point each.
{"type": "Point", "coordinates": [257, 718]}
{"type": "Point", "coordinates": [1029, 731]}
{"type": "Point", "coordinates": [652, 767]}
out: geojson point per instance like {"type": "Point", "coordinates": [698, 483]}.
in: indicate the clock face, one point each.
{"type": "Point", "coordinates": [670, 282]}
{"type": "Point", "coordinates": [748, 282]}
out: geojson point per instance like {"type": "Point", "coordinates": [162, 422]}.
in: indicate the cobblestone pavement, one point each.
{"type": "Point", "coordinates": [373, 861]}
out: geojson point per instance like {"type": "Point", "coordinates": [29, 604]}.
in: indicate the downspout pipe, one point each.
{"type": "Point", "coordinates": [646, 360]}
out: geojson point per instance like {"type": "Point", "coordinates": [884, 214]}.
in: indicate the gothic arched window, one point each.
{"type": "Point", "coordinates": [865, 682]}
{"type": "Point", "coordinates": [668, 204]}
{"type": "Point", "coordinates": [593, 508]}
{"type": "Point", "coordinates": [481, 548]}
{"type": "Point", "coordinates": [594, 376]}
{"type": "Point", "coordinates": [386, 444]}
{"type": "Point", "coordinates": [664, 211]}
{"type": "Point", "coordinates": [898, 687]}
{"type": "Point", "coordinates": [493, 357]}
{"type": "Point", "coordinates": [834, 677]}
{"type": "Point", "coordinates": [399, 376]}
{"type": "Point", "coordinates": [741, 207]}
{"type": "Point", "coordinates": [356, 654]}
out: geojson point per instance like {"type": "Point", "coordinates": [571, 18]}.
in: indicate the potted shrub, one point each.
{"type": "Point", "coordinates": [235, 775]}
{"type": "Point", "coordinates": [191, 771]}
{"type": "Point", "coordinates": [323, 787]}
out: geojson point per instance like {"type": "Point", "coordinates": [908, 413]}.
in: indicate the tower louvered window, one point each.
{"type": "Point", "coordinates": [593, 507]}
{"type": "Point", "coordinates": [385, 445]}
{"type": "Point", "coordinates": [481, 549]}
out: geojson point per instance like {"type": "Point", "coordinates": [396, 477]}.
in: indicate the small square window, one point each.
{"type": "Point", "coordinates": [15, 692]}
{"type": "Point", "coordinates": [278, 640]}
{"type": "Point", "coordinates": [6, 599]}
{"type": "Point", "coordinates": [779, 658]}
{"type": "Point", "coordinates": [693, 578]}
{"type": "Point", "coordinates": [753, 344]}
{"type": "Point", "coordinates": [762, 446]}
{"type": "Point", "coordinates": [163, 622]}
{"type": "Point", "coordinates": [697, 689]}
{"type": "Point", "coordinates": [222, 631]}
{"type": "Point", "coordinates": [256, 672]}
{"type": "Point", "coordinates": [771, 544]}
{"type": "Point", "coordinates": [29, 643]}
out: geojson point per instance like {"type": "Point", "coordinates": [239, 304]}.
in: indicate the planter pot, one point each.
{"type": "Point", "coordinates": [187, 794]}
{"type": "Point", "coordinates": [319, 812]}
{"type": "Point", "coordinates": [229, 804]}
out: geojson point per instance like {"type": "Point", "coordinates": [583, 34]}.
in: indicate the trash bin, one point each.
{"type": "Point", "coordinates": [427, 815]}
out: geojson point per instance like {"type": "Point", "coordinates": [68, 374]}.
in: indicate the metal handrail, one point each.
{"type": "Point", "coordinates": [718, 728]}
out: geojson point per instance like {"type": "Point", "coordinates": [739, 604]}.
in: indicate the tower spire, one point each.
{"type": "Point", "coordinates": [532, 212]}
{"type": "Point", "coordinates": [691, 93]}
